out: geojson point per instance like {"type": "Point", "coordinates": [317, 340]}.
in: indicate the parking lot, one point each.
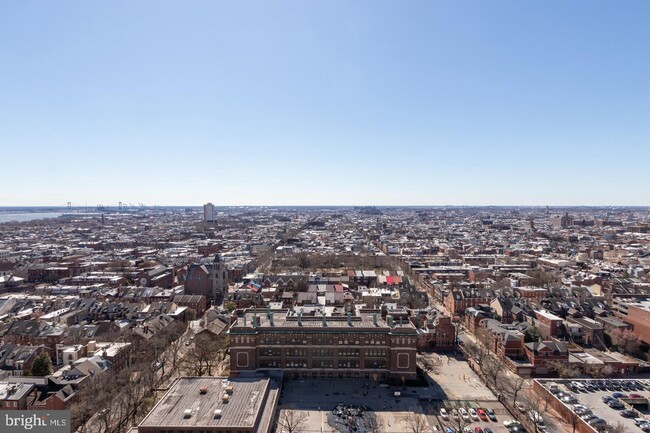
{"type": "Point", "coordinates": [456, 385]}
{"type": "Point", "coordinates": [453, 416]}
{"type": "Point", "coordinates": [319, 398]}
{"type": "Point", "coordinates": [589, 394]}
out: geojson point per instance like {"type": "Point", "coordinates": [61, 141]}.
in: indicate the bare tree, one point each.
{"type": "Point", "coordinates": [563, 369]}
{"type": "Point", "coordinates": [427, 364]}
{"type": "Point", "coordinates": [541, 401]}
{"type": "Point", "coordinates": [371, 423]}
{"type": "Point", "coordinates": [120, 396]}
{"type": "Point", "coordinates": [205, 355]}
{"type": "Point", "coordinates": [416, 423]}
{"type": "Point", "coordinates": [492, 368]}
{"type": "Point", "coordinates": [626, 341]}
{"type": "Point", "coordinates": [516, 386]}
{"type": "Point", "coordinates": [292, 421]}
{"type": "Point", "coordinates": [479, 352]}
{"type": "Point", "coordinates": [573, 420]}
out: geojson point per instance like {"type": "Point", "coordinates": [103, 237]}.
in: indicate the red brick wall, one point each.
{"type": "Point", "coordinates": [640, 319]}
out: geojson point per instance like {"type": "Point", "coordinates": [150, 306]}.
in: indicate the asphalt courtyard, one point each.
{"type": "Point", "coordinates": [452, 385]}
{"type": "Point", "coordinates": [319, 397]}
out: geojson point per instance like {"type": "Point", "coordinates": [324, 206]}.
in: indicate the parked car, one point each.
{"type": "Point", "coordinates": [473, 414]}
{"type": "Point", "coordinates": [478, 430]}
{"type": "Point", "coordinates": [627, 413]}
{"type": "Point", "coordinates": [491, 414]}
{"type": "Point", "coordinates": [520, 406]}
{"type": "Point", "coordinates": [619, 395]}
{"type": "Point", "coordinates": [463, 413]}
{"type": "Point", "coordinates": [449, 430]}
{"type": "Point", "coordinates": [596, 422]}
{"type": "Point", "coordinates": [487, 430]}
{"type": "Point", "coordinates": [569, 399]}
{"type": "Point", "coordinates": [607, 398]}
{"type": "Point", "coordinates": [443, 414]}
{"type": "Point", "coordinates": [615, 404]}
{"type": "Point", "coordinates": [636, 396]}
{"type": "Point", "coordinates": [482, 414]}
{"type": "Point", "coordinates": [510, 422]}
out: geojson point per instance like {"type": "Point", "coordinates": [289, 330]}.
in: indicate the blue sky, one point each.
{"type": "Point", "coordinates": [332, 102]}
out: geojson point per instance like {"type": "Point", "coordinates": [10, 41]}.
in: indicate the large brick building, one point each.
{"type": "Point", "coordinates": [315, 344]}
{"type": "Point", "coordinates": [209, 279]}
{"type": "Point", "coordinates": [638, 315]}
{"type": "Point", "coordinates": [459, 300]}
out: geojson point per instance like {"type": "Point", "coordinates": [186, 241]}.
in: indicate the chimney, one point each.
{"type": "Point", "coordinates": [324, 317]}
{"type": "Point", "coordinates": [255, 322]}
{"type": "Point", "coordinates": [271, 318]}
{"type": "Point", "coordinates": [390, 320]}
{"type": "Point", "coordinates": [374, 319]}
{"type": "Point", "coordinates": [300, 318]}
{"type": "Point", "coordinates": [268, 311]}
{"type": "Point", "coordinates": [349, 319]}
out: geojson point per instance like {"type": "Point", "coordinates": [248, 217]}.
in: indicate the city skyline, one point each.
{"type": "Point", "coordinates": [337, 103]}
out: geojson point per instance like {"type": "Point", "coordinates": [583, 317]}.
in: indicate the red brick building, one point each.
{"type": "Point", "coordinates": [459, 300]}
{"type": "Point", "coordinates": [440, 333]}
{"type": "Point", "coordinates": [543, 354]}
{"type": "Point", "coordinates": [638, 315]}
{"type": "Point", "coordinates": [320, 346]}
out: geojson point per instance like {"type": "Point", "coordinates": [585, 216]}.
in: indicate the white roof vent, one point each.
{"type": "Point", "coordinates": [187, 413]}
{"type": "Point", "coordinates": [217, 413]}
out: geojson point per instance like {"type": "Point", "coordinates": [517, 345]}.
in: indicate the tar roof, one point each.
{"type": "Point", "coordinates": [242, 410]}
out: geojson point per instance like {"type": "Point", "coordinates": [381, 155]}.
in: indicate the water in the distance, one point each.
{"type": "Point", "coordinates": [27, 216]}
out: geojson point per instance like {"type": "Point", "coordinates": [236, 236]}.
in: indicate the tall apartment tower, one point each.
{"type": "Point", "coordinates": [208, 213]}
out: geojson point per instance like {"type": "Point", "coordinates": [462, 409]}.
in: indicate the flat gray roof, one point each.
{"type": "Point", "coordinates": [246, 403]}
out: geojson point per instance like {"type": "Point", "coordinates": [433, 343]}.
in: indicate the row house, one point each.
{"type": "Point", "coordinates": [459, 300]}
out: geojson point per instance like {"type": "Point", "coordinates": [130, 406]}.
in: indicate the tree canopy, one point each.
{"type": "Point", "coordinates": [42, 365]}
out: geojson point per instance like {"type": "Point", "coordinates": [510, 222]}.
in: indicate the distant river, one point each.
{"type": "Point", "coordinates": [27, 216]}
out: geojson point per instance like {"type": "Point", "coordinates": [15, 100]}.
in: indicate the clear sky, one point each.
{"type": "Point", "coordinates": [325, 102]}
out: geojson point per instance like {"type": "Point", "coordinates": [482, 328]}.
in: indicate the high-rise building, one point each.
{"type": "Point", "coordinates": [208, 213]}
